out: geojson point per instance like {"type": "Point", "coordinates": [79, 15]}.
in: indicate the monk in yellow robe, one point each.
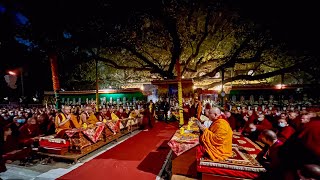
{"type": "Point", "coordinates": [217, 139]}
{"type": "Point", "coordinates": [65, 120]}
{"type": "Point", "coordinates": [88, 116]}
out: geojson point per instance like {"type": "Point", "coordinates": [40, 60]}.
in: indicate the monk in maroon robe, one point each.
{"type": "Point", "coordinates": [10, 149]}
{"type": "Point", "coordinates": [294, 120]}
{"type": "Point", "coordinates": [121, 113]}
{"type": "Point", "coordinates": [285, 131]}
{"type": "Point", "coordinates": [310, 138]}
{"type": "Point", "coordinates": [3, 167]}
{"type": "Point", "coordinates": [104, 115]}
{"type": "Point", "coordinates": [303, 147]}
{"type": "Point", "coordinates": [149, 116]}
{"type": "Point", "coordinates": [28, 131]}
{"type": "Point", "coordinates": [258, 126]}
{"type": "Point", "coordinates": [272, 158]}
{"type": "Point", "coordinates": [46, 127]}
{"type": "Point", "coordinates": [231, 119]}
{"type": "Point", "coordinates": [262, 123]}
{"type": "Point", "coordinates": [249, 118]}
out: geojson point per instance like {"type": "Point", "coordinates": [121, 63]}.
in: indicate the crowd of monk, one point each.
{"type": "Point", "coordinates": [291, 138]}
{"type": "Point", "coordinates": [20, 129]}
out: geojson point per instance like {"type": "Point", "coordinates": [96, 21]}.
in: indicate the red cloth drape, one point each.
{"type": "Point", "coordinates": [54, 71]}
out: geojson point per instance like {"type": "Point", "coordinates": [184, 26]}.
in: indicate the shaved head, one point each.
{"type": "Point", "coordinates": [310, 171]}
{"type": "Point", "coordinates": [67, 109]}
{"type": "Point", "coordinates": [216, 110]}
{"type": "Point", "coordinates": [268, 136]}
{"type": "Point", "coordinates": [214, 113]}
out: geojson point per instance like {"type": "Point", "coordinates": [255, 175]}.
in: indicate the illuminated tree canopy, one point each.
{"type": "Point", "coordinates": [143, 41]}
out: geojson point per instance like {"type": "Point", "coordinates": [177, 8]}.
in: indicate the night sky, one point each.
{"type": "Point", "coordinates": [292, 22]}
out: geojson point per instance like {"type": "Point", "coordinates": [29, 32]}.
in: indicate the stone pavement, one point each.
{"type": "Point", "coordinates": [54, 169]}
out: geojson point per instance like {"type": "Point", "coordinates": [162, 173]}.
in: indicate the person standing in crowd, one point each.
{"type": "Point", "coordinates": [3, 167]}
{"type": "Point", "coordinates": [164, 105]}
{"type": "Point", "coordinates": [148, 120]}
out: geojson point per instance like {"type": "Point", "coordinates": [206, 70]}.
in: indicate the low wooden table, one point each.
{"type": "Point", "coordinates": [76, 156]}
{"type": "Point", "coordinates": [183, 146]}
{"type": "Point", "coordinates": [185, 164]}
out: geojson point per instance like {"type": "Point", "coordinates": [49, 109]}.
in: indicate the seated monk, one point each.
{"type": "Point", "coordinates": [121, 113]}
{"type": "Point", "coordinates": [258, 126]}
{"type": "Point", "coordinates": [285, 131]}
{"type": "Point", "coordinates": [116, 121]}
{"type": "Point", "coordinates": [10, 149]}
{"type": "Point", "coordinates": [104, 115]}
{"type": "Point", "coordinates": [270, 159]}
{"type": "Point", "coordinates": [88, 117]}
{"type": "Point", "coordinates": [131, 120]}
{"type": "Point", "coordinates": [28, 131]}
{"type": "Point", "coordinates": [65, 120]}
{"type": "Point", "coordinates": [309, 171]}
{"type": "Point", "coordinates": [216, 140]}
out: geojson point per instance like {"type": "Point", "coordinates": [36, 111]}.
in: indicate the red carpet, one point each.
{"type": "Point", "coordinates": [140, 157]}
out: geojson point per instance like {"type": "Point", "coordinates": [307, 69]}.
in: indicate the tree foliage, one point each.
{"type": "Point", "coordinates": [143, 41]}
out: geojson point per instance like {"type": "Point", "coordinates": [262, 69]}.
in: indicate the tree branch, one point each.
{"type": "Point", "coordinates": [268, 65]}
{"type": "Point", "coordinates": [146, 60]}
{"type": "Point", "coordinates": [115, 65]}
{"type": "Point", "coordinates": [203, 37]}
{"type": "Point", "coordinates": [176, 50]}
{"type": "Point", "coordinates": [292, 68]}
{"type": "Point", "coordinates": [229, 63]}
{"type": "Point", "coordinates": [154, 59]}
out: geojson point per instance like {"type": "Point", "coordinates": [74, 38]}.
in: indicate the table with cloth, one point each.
{"type": "Point", "coordinates": [180, 143]}
{"type": "Point", "coordinates": [81, 138]}
{"type": "Point", "coordinates": [79, 142]}
{"type": "Point", "coordinates": [242, 164]}
{"type": "Point", "coordinates": [183, 157]}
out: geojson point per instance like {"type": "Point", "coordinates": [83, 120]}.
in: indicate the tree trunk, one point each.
{"type": "Point", "coordinates": [181, 120]}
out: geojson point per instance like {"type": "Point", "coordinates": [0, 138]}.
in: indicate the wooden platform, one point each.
{"type": "Point", "coordinates": [206, 176]}
{"type": "Point", "coordinates": [185, 164]}
{"type": "Point", "coordinates": [76, 156]}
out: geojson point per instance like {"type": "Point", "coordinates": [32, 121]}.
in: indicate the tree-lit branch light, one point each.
{"type": "Point", "coordinates": [250, 73]}
{"type": "Point", "coordinates": [280, 86]}
{"type": "Point", "coordinates": [12, 73]}
{"type": "Point", "coordinates": [217, 88]}
{"type": "Point", "coordinates": [217, 75]}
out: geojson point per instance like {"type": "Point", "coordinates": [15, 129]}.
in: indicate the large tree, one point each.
{"type": "Point", "coordinates": [145, 39]}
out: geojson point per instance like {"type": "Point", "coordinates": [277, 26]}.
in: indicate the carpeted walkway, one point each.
{"type": "Point", "coordinates": [140, 157]}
